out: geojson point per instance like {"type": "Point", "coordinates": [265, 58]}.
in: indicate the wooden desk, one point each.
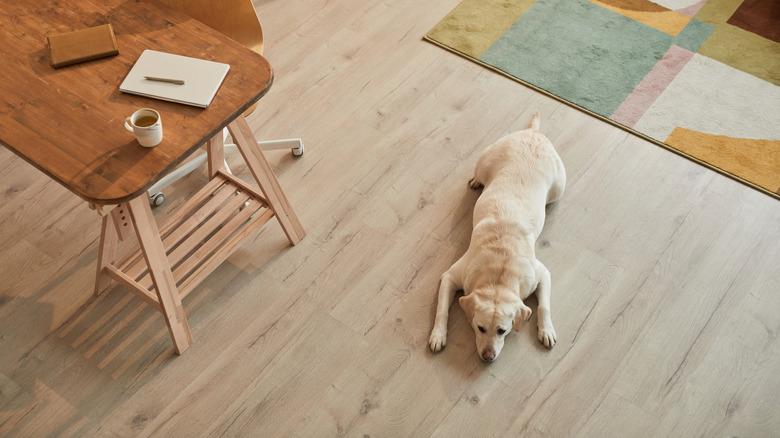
{"type": "Point", "coordinates": [68, 123]}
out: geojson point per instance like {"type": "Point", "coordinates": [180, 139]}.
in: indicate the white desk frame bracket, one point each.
{"type": "Point", "coordinates": [156, 196]}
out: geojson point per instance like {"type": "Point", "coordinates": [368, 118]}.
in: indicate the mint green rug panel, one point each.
{"type": "Point", "coordinates": [694, 35]}
{"type": "Point", "coordinates": [582, 52]}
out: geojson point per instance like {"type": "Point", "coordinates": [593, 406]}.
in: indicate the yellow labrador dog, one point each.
{"type": "Point", "coordinates": [521, 173]}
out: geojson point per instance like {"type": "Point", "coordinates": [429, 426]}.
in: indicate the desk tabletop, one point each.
{"type": "Point", "coordinates": [69, 122]}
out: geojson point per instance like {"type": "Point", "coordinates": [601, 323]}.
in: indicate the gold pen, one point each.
{"type": "Point", "coordinates": [171, 81]}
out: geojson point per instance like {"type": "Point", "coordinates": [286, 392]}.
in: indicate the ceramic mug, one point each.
{"type": "Point", "coordinates": [147, 127]}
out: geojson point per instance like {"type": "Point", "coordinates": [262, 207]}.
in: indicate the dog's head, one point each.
{"type": "Point", "coordinates": [493, 313]}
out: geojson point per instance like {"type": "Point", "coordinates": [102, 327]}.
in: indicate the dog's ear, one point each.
{"type": "Point", "coordinates": [522, 313]}
{"type": "Point", "coordinates": [468, 303]}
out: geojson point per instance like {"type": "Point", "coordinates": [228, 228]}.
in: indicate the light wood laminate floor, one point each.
{"type": "Point", "coordinates": [666, 282]}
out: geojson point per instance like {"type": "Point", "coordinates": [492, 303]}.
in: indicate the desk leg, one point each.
{"type": "Point", "coordinates": [264, 175]}
{"type": "Point", "coordinates": [115, 226]}
{"type": "Point", "coordinates": [215, 149]}
{"type": "Point", "coordinates": [160, 271]}
{"type": "Point", "coordinates": [106, 253]}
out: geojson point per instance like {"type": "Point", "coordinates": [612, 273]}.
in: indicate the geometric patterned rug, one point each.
{"type": "Point", "coordinates": [701, 78]}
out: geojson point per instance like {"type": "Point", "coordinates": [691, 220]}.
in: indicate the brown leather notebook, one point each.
{"type": "Point", "coordinates": [82, 45]}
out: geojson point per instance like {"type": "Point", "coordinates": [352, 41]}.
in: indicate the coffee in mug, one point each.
{"type": "Point", "coordinates": [145, 121]}
{"type": "Point", "coordinates": [147, 127]}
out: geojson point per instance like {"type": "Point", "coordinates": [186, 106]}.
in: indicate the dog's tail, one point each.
{"type": "Point", "coordinates": [535, 121]}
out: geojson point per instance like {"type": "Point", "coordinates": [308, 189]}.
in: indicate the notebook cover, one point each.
{"type": "Point", "coordinates": [202, 78]}
{"type": "Point", "coordinates": [82, 45]}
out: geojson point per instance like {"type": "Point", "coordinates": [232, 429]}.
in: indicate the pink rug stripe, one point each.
{"type": "Point", "coordinates": [643, 96]}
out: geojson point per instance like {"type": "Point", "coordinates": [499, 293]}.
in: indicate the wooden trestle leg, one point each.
{"type": "Point", "coordinates": [264, 175]}
{"type": "Point", "coordinates": [160, 272]}
{"type": "Point", "coordinates": [116, 225]}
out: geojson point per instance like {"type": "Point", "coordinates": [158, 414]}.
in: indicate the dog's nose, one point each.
{"type": "Point", "coordinates": [488, 355]}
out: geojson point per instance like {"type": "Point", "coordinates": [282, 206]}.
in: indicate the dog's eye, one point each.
{"type": "Point", "coordinates": [481, 329]}
{"type": "Point", "coordinates": [501, 331]}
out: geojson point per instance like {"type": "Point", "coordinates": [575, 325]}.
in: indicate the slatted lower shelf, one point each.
{"type": "Point", "coordinates": [199, 237]}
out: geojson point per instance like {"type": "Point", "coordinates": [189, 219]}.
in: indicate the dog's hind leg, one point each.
{"type": "Point", "coordinates": [451, 282]}
{"type": "Point", "coordinates": [558, 183]}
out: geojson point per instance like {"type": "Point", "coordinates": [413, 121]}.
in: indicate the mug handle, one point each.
{"type": "Point", "coordinates": [127, 124]}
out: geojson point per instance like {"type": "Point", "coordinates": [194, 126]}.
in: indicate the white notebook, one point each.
{"type": "Point", "coordinates": [201, 78]}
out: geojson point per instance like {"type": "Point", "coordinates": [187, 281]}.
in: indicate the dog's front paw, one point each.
{"type": "Point", "coordinates": [547, 335]}
{"type": "Point", "coordinates": [438, 340]}
{"type": "Point", "coordinates": [525, 312]}
{"type": "Point", "coordinates": [474, 184]}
